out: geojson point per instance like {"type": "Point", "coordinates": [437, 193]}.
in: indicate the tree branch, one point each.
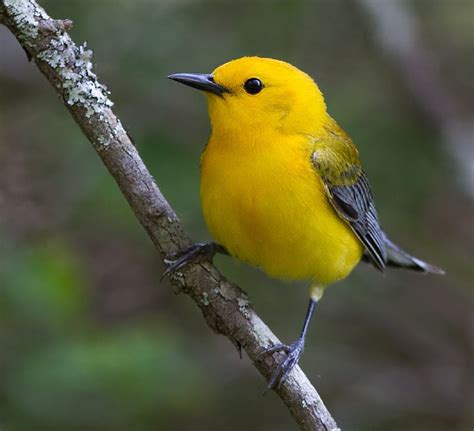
{"type": "Point", "coordinates": [224, 305]}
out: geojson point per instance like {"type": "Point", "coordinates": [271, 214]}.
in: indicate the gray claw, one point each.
{"type": "Point", "coordinates": [294, 352]}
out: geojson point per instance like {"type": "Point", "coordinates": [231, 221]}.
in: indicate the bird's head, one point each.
{"type": "Point", "coordinates": [258, 93]}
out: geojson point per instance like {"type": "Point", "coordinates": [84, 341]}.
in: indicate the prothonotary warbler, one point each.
{"type": "Point", "coordinates": [282, 186]}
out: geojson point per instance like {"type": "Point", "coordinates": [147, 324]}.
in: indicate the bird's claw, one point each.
{"type": "Point", "coordinates": [276, 348]}
{"type": "Point", "coordinates": [293, 355]}
{"type": "Point", "coordinates": [190, 254]}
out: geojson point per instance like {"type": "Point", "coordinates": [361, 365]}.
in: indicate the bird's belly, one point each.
{"type": "Point", "coordinates": [276, 216]}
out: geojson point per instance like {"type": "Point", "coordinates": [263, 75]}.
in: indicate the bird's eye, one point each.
{"type": "Point", "coordinates": [253, 86]}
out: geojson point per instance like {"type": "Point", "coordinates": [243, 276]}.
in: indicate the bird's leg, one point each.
{"type": "Point", "coordinates": [293, 351]}
{"type": "Point", "coordinates": [192, 253]}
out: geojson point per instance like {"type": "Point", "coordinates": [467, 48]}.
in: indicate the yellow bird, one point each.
{"type": "Point", "coordinates": [282, 186]}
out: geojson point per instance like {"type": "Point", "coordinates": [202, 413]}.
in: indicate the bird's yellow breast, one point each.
{"type": "Point", "coordinates": [263, 200]}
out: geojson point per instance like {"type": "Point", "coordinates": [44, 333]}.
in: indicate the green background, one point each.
{"type": "Point", "coordinates": [89, 337]}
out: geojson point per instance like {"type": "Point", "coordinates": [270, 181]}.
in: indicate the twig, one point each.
{"type": "Point", "coordinates": [224, 305]}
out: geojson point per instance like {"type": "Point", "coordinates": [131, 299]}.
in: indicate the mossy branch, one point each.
{"type": "Point", "coordinates": [224, 305]}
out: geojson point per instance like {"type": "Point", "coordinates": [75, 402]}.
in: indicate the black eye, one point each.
{"type": "Point", "coordinates": [253, 86]}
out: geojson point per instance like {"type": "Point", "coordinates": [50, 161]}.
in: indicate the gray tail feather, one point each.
{"type": "Point", "coordinates": [398, 258]}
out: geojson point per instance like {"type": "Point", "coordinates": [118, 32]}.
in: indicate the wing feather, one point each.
{"type": "Point", "coordinates": [349, 193]}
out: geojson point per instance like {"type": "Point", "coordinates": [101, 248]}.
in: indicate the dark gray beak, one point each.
{"type": "Point", "coordinates": [201, 81]}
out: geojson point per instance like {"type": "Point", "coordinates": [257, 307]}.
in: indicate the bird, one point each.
{"type": "Point", "coordinates": [282, 186]}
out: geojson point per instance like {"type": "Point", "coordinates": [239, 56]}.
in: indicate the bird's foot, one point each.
{"type": "Point", "coordinates": [293, 355]}
{"type": "Point", "coordinates": [190, 254]}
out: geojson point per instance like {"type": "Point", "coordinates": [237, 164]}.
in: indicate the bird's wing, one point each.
{"type": "Point", "coordinates": [337, 162]}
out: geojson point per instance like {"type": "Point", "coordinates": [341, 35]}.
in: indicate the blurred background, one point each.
{"type": "Point", "coordinates": [89, 337]}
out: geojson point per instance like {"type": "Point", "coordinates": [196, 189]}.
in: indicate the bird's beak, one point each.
{"type": "Point", "coordinates": [201, 81]}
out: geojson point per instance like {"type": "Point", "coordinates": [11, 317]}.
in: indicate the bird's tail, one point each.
{"type": "Point", "coordinates": [398, 258]}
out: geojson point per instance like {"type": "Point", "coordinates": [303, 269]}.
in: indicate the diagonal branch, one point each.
{"type": "Point", "coordinates": [224, 305]}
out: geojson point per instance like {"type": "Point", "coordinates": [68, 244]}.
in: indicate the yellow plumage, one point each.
{"type": "Point", "coordinates": [262, 197]}
{"type": "Point", "coordinates": [263, 200]}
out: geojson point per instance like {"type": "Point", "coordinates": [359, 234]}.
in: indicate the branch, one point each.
{"type": "Point", "coordinates": [224, 305]}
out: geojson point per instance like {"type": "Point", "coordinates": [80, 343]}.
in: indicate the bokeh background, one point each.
{"type": "Point", "coordinates": [89, 337]}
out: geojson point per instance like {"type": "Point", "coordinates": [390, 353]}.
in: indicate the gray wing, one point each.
{"type": "Point", "coordinates": [355, 204]}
